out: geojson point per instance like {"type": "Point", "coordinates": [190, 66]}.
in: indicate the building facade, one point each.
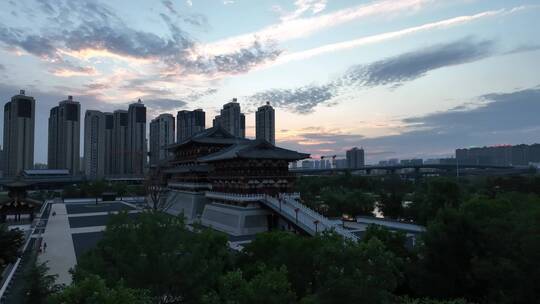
{"type": "Point", "coordinates": [19, 122]}
{"type": "Point", "coordinates": [108, 144]}
{"type": "Point", "coordinates": [136, 136]}
{"type": "Point", "coordinates": [94, 144]}
{"type": "Point", "coordinates": [64, 136]}
{"type": "Point", "coordinates": [265, 124]}
{"type": "Point", "coordinates": [217, 178]}
{"type": "Point", "coordinates": [355, 158]}
{"type": "Point", "coordinates": [161, 135]}
{"type": "Point", "coordinates": [189, 123]}
{"type": "Point", "coordinates": [232, 119]}
{"type": "Point", "coordinates": [120, 142]}
{"type": "Point", "coordinates": [502, 155]}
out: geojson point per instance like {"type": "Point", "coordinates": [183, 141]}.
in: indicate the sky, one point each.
{"type": "Point", "coordinates": [402, 79]}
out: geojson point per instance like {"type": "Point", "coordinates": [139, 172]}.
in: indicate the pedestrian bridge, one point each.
{"type": "Point", "coordinates": [288, 207]}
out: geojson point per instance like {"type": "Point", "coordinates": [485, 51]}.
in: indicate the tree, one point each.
{"type": "Point", "coordinates": [92, 289]}
{"type": "Point", "coordinates": [350, 202]}
{"type": "Point", "coordinates": [120, 188]}
{"type": "Point", "coordinates": [156, 252]}
{"type": "Point", "coordinates": [482, 251]}
{"type": "Point", "coordinates": [39, 284]}
{"type": "Point", "coordinates": [11, 242]}
{"type": "Point", "coordinates": [395, 241]}
{"type": "Point", "coordinates": [391, 194]}
{"type": "Point", "coordinates": [268, 286]}
{"type": "Point", "coordinates": [326, 268]}
{"type": "Point", "coordinates": [156, 192]}
{"type": "Point", "coordinates": [433, 196]}
{"type": "Point", "coordinates": [408, 300]}
{"type": "Point", "coordinates": [97, 188]}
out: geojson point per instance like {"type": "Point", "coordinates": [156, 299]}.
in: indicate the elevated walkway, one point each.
{"type": "Point", "coordinates": [288, 207]}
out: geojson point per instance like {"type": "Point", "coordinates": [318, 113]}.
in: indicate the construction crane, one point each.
{"type": "Point", "coordinates": [333, 157]}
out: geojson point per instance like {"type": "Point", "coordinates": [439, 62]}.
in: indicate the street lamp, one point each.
{"type": "Point", "coordinates": [296, 213]}
{"type": "Point", "coordinates": [316, 222]}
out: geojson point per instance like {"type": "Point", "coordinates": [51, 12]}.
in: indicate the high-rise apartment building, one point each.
{"type": "Point", "coordinates": [108, 144]}
{"type": "Point", "coordinates": [265, 124]}
{"type": "Point", "coordinates": [64, 136]}
{"type": "Point", "coordinates": [19, 122]}
{"type": "Point", "coordinates": [231, 119]}
{"type": "Point", "coordinates": [501, 155]}
{"type": "Point", "coordinates": [189, 123]}
{"type": "Point", "coordinates": [120, 142]}
{"type": "Point", "coordinates": [355, 158]}
{"type": "Point", "coordinates": [94, 144]}
{"type": "Point", "coordinates": [161, 135]}
{"type": "Point", "coordinates": [136, 136]}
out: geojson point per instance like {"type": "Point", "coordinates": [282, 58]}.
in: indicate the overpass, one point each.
{"type": "Point", "coordinates": [394, 168]}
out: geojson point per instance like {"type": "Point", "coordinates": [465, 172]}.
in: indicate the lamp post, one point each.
{"type": "Point", "coordinates": [316, 222]}
{"type": "Point", "coordinates": [296, 213]}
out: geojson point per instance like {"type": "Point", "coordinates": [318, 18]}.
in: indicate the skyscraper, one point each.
{"type": "Point", "coordinates": [64, 136]}
{"type": "Point", "coordinates": [265, 123]}
{"type": "Point", "coordinates": [161, 135]}
{"type": "Point", "coordinates": [94, 144]}
{"type": "Point", "coordinates": [189, 123]}
{"type": "Point", "coordinates": [136, 138]}
{"type": "Point", "coordinates": [120, 142]}
{"type": "Point", "coordinates": [108, 144]}
{"type": "Point", "coordinates": [355, 158]}
{"type": "Point", "coordinates": [232, 120]}
{"type": "Point", "coordinates": [19, 121]}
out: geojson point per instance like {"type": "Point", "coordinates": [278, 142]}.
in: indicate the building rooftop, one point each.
{"type": "Point", "coordinates": [214, 135]}
{"type": "Point", "coordinates": [254, 149]}
{"type": "Point", "coordinates": [42, 172]}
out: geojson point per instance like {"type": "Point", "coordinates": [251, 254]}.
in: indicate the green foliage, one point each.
{"type": "Point", "coordinates": [407, 300]}
{"type": "Point", "coordinates": [487, 250]}
{"type": "Point", "coordinates": [39, 284]}
{"type": "Point", "coordinates": [392, 192]}
{"type": "Point", "coordinates": [327, 268]}
{"type": "Point", "coordinates": [432, 196]}
{"type": "Point", "coordinates": [92, 189]}
{"type": "Point", "coordinates": [341, 202]}
{"type": "Point", "coordinates": [156, 252]}
{"type": "Point", "coordinates": [393, 240]}
{"type": "Point", "coordinates": [267, 286]}
{"type": "Point", "coordinates": [92, 289]}
{"type": "Point", "coordinates": [11, 242]}
{"type": "Point", "coordinates": [120, 188]}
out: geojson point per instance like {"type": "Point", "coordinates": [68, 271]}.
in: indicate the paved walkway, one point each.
{"type": "Point", "coordinates": [60, 253]}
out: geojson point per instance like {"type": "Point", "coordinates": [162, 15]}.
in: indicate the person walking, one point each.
{"type": "Point", "coordinates": [44, 246]}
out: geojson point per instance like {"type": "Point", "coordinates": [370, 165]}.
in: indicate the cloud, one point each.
{"type": "Point", "coordinates": [301, 55]}
{"type": "Point", "coordinates": [303, 6]}
{"type": "Point", "coordinates": [498, 118]}
{"type": "Point", "coordinates": [302, 27]}
{"type": "Point", "coordinates": [320, 141]}
{"type": "Point", "coordinates": [62, 68]}
{"type": "Point", "coordinates": [415, 64]}
{"type": "Point", "coordinates": [524, 48]}
{"type": "Point", "coordinates": [393, 71]}
{"type": "Point", "coordinates": [161, 105]}
{"type": "Point", "coordinates": [495, 118]}
{"type": "Point", "coordinates": [2, 67]}
{"type": "Point", "coordinates": [92, 29]}
{"type": "Point", "coordinates": [46, 7]}
{"type": "Point", "coordinates": [300, 100]}
{"type": "Point", "coordinates": [193, 19]}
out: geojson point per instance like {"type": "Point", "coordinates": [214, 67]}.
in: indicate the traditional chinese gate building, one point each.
{"type": "Point", "coordinates": [217, 179]}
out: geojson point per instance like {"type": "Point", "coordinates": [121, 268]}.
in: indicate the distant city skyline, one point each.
{"type": "Point", "coordinates": [403, 79]}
